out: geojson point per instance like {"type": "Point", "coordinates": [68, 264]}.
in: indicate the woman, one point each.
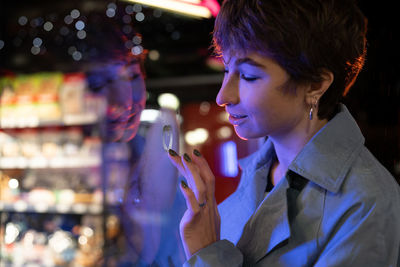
{"type": "Point", "coordinates": [313, 195]}
{"type": "Point", "coordinates": [148, 214]}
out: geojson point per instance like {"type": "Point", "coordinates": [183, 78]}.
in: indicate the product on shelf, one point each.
{"type": "Point", "coordinates": [72, 141]}
{"type": "Point", "coordinates": [26, 88]}
{"type": "Point", "coordinates": [51, 140]}
{"type": "Point", "coordinates": [47, 99]}
{"type": "Point", "coordinates": [72, 94]}
{"type": "Point", "coordinates": [9, 144]}
{"type": "Point", "coordinates": [7, 100]}
{"type": "Point", "coordinates": [29, 143]}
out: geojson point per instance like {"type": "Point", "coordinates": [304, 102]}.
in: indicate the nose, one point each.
{"type": "Point", "coordinates": [229, 92]}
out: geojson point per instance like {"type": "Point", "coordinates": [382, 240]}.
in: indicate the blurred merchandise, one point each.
{"type": "Point", "coordinates": [71, 94]}
{"type": "Point", "coordinates": [52, 176]}
{"type": "Point", "coordinates": [51, 240]}
{"type": "Point", "coordinates": [48, 98]}
{"type": "Point", "coordinates": [49, 147]}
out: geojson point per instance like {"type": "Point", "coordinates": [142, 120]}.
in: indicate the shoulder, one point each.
{"type": "Point", "coordinates": [364, 212]}
{"type": "Point", "coordinates": [368, 177]}
{"type": "Point", "coordinates": [367, 187]}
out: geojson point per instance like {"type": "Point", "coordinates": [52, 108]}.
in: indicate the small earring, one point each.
{"type": "Point", "coordinates": [312, 109]}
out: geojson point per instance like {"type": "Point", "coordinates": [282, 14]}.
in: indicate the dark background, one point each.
{"type": "Point", "coordinates": [183, 45]}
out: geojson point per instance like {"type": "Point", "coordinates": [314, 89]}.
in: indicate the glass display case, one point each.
{"type": "Point", "coordinates": [56, 204]}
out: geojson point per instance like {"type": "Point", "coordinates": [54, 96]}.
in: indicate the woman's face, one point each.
{"type": "Point", "coordinates": [126, 95]}
{"type": "Point", "coordinates": [253, 94]}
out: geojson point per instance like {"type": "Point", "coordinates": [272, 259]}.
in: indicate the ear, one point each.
{"type": "Point", "coordinates": [316, 90]}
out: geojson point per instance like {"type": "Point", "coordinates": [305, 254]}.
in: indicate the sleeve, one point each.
{"type": "Point", "coordinates": [221, 253]}
{"type": "Point", "coordinates": [366, 234]}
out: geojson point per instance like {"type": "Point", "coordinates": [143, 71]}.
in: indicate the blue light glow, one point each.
{"type": "Point", "coordinates": [229, 162]}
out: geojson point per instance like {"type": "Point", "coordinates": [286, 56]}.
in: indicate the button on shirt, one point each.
{"type": "Point", "coordinates": [347, 214]}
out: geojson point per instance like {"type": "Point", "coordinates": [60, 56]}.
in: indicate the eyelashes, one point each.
{"type": "Point", "coordinates": [247, 78]}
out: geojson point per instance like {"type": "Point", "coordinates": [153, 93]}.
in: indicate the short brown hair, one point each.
{"type": "Point", "coordinates": [305, 37]}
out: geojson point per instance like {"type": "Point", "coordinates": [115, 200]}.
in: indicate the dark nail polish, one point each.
{"type": "Point", "coordinates": [184, 184]}
{"type": "Point", "coordinates": [172, 153]}
{"type": "Point", "coordinates": [197, 153]}
{"type": "Point", "coordinates": [187, 158]}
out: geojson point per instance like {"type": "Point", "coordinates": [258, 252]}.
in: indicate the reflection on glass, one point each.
{"type": "Point", "coordinates": [167, 137]}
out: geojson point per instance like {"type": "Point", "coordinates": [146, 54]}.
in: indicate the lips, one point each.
{"type": "Point", "coordinates": [124, 119]}
{"type": "Point", "coordinates": [236, 119]}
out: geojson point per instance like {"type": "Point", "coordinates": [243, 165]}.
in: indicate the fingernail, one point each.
{"type": "Point", "coordinates": [197, 153]}
{"type": "Point", "coordinates": [184, 184]}
{"type": "Point", "coordinates": [172, 153]}
{"type": "Point", "coordinates": [187, 158]}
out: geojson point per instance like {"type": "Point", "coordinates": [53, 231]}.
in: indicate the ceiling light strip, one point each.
{"type": "Point", "coordinates": [182, 7]}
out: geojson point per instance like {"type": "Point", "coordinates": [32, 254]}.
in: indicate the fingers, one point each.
{"type": "Point", "coordinates": [205, 173]}
{"type": "Point", "coordinates": [191, 172]}
{"type": "Point", "coordinates": [191, 201]}
{"type": "Point", "coordinates": [176, 160]}
{"type": "Point", "coordinates": [193, 175]}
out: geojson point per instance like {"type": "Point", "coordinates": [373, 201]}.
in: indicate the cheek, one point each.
{"type": "Point", "coordinates": [130, 132]}
{"type": "Point", "coordinates": [265, 111]}
{"type": "Point", "coordinates": [256, 103]}
{"type": "Point", "coordinates": [120, 94]}
{"type": "Point", "coordinates": [138, 91]}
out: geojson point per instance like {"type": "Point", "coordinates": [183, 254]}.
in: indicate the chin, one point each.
{"type": "Point", "coordinates": [113, 136]}
{"type": "Point", "coordinates": [241, 135]}
{"type": "Point", "coordinates": [128, 135]}
{"type": "Point", "coordinates": [123, 132]}
{"type": "Point", "coordinates": [246, 135]}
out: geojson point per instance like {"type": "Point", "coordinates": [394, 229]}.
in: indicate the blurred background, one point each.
{"type": "Point", "coordinates": [46, 46]}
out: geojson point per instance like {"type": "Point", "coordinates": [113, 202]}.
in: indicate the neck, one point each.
{"type": "Point", "coordinates": [289, 146]}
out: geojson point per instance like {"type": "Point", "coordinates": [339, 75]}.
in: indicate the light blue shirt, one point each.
{"type": "Point", "coordinates": [348, 213]}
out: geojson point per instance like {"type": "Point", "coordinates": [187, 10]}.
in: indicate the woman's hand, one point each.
{"type": "Point", "coordinates": [200, 225]}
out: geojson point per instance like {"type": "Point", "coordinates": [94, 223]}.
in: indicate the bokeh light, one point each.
{"type": "Point", "coordinates": [22, 20]}
{"type": "Point", "coordinates": [75, 13]}
{"type": "Point", "coordinates": [110, 12]}
{"type": "Point", "coordinates": [79, 25]}
{"type": "Point", "coordinates": [68, 19]}
{"type": "Point", "coordinates": [154, 55]}
{"type": "Point", "coordinates": [35, 50]}
{"type": "Point", "coordinates": [137, 40]}
{"type": "Point", "coordinates": [137, 50]}
{"type": "Point", "coordinates": [139, 16]}
{"type": "Point", "coordinates": [81, 34]}
{"type": "Point", "coordinates": [77, 55]}
{"type": "Point", "coordinates": [168, 100]}
{"type": "Point", "coordinates": [48, 26]}
{"type": "Point", "coordinates": [37, 42]}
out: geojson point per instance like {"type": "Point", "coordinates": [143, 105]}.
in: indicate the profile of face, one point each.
{"type": "Point", "coordinates": [124, 88]}
{"type": "Point", "coordinates": [253, 94]}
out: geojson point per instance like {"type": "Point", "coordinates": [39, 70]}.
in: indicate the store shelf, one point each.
{"type": "Point", "coordinates": [53, 184]}
{"type": "Point", "coordinates": [53, 163]}
{"type": "Point", "coordinates": [34, 122]}
{"type": "Point", "coordinates": [78, 208]}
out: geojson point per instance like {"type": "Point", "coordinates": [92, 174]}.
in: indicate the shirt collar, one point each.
{"type": "Point", "coordinates": [259, 158]}
{"type": "Point", "coordinates": [326, 158]}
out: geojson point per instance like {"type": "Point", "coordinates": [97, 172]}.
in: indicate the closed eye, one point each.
{"type": "Point", "coordinates": [132, 77]}
{"type": "Point", "coordinates": [248, 78]}
{"type": "Point", "coordinates": [135, 76]}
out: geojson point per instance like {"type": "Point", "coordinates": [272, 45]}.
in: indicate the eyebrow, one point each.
{"type": "Point", "coordinates": [249, 61]}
